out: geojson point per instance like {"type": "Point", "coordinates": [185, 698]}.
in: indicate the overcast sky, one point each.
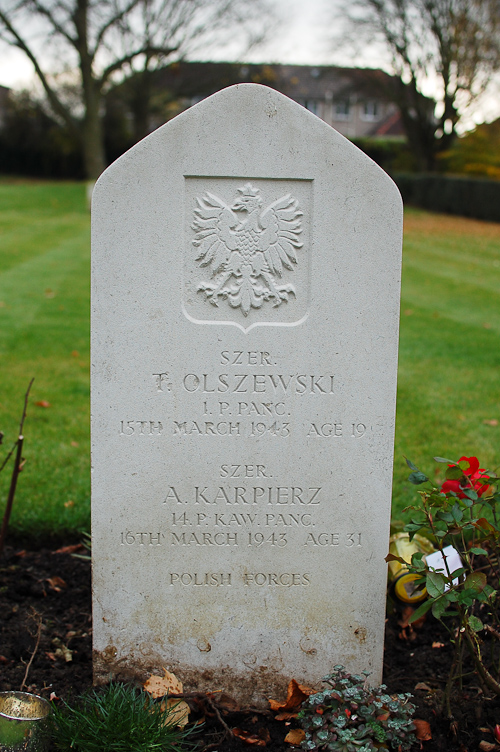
{"type": "Point", "coordinates": [301, 39]}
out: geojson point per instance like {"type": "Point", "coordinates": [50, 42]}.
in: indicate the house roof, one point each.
{"type": "Point", "coordinates": [296, 81]}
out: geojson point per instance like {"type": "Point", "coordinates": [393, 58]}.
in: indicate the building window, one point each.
{"type": "Point", "coordinates": [371, 110]}
{"type": "Point", "coordinates": [342, 110]}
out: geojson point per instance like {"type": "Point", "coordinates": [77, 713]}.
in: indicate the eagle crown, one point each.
{"type": "Point", "coordinates": [249, 200]}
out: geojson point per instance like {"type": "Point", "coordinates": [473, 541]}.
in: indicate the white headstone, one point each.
{"type": "Point", "coordinates": [246, 262]}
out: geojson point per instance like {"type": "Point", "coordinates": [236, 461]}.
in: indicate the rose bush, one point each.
{"type": "Point", "coordinates": [462, 513]}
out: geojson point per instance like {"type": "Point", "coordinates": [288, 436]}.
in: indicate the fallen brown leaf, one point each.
{"type": "Point", "coordinates": [492, 422]}
{"type": "Point", "coordinates": [488, 746]}
{"type": "Point", "coordinates": [179, 711]}
{"type": "Point", "coordinates": [159, 686]}
{"type": "Point", "coordinates": [296, 694]}
{"type": "Point", "coordinates": [265, 734]}
{"type": "Point", "coordinates": [295, 737]}
{"type": "Point", "coordinates": [42, 403]}
{"type": "Point", "coordinates": [422, 730]}
{"type": "Point", "coordinates": [287, 715]}
{"type": "Point", "coordinates": [56, 583]}
{"type": "Point", "coordinates": [248, 738]}
{"type": "Point", "coordinates": [438, 644]}
{"type": "Point", "coordinates": [225, 702]}
{"type": "Point", "coordinates": [70, 549]}
{"type": "Point", "coordinates": [424, 686]}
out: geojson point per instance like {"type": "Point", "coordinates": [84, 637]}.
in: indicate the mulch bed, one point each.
{"type": "Point", "coordinates": [46, 648]}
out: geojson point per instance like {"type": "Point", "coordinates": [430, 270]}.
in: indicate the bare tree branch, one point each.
{"type": "Point", "coordinates": [454, 42]}
{"type": "Point", "coordinates": [54, 100]}
{"type": "Point", "coordinates": [117, 65]}
{"type": "Point", "coordinates": [104, 37]}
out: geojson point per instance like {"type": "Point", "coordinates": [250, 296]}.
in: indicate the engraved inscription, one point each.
{"type": "Point", "coordinates": [248, 358]}
{"type": "Point", "coordinates": [285, 579]}
{"type": "Point", "coordinates": [276, 384]}
{"type": "Point", "coordinates": [247, 247]}
{"type": "Point", "coordinates": [333, 430]}
{"type": "Point", "coordinates": [140, 427]}
{"type": "Point", "coordinates": [196, 579]}
{"type": "Point", "coordinates": [230, 495]}
{"type": "Point", "coordinates": [162, 381]}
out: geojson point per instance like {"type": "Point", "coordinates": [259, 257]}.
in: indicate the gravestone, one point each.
{"type": "Point", "coordinates": [246, 271]}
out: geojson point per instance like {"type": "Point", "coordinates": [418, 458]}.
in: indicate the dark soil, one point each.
{"type": "Point", "coordinates": [46, 648]}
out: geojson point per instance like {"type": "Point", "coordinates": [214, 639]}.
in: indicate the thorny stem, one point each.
{"type": "Point", "coordinates": [15, 471]}
{"type": "Point", "coordinates": [8, 456]}
{"type": "Point", "coordinates": [483, 672]}
{"type": "Point", "coordinates": [449, 683]}
{"type": "Point", "coordinates": [12, 491]}
{"type": "Point", "coordinates": [23, 417]}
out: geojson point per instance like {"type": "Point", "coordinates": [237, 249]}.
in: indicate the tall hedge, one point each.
{"type": "Point", "coordinates": [468, 197]}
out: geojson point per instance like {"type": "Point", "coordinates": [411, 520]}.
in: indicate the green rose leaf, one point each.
{"type": "Point", "coordinates": [442, 459]}
{"type": "Point", "coordinates": [454, 473]}
{"type": "Point", "coordinates": [478, 551]}
{"type": "Point", "coordinates": [471, 494]}
{"type": "Point", "coordinates": [435, 584]}
{"type": "Point", "coordinates": [417, 562]}
{"type": "Point", "coordinates": [475, 624]}
{"type": "Point", "coordinates": [420, 611]}
{"type": "Point", "coordinates": [458, 573]}
{"type": "Point", "coordinates": [444, 516]}
{"type": "Point", "coordinates": [412, 527]}
{"type": "Point", "coordinates": [438, 608]}
{"type": "Point", "coordinates": [410, 464]}
{"type": "Point", "coordinates": [476, 581]}
{"type": "Point", "coordinates": [417, 478]}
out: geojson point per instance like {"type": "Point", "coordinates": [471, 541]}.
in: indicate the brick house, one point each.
{"type": "Point", "coordinates": [355, 101]}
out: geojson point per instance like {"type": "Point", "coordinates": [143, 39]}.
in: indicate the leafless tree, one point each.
{"type": "Point", "coordinates": [97, 41]}
{"type": "Point", "coordinates": [452, 44]}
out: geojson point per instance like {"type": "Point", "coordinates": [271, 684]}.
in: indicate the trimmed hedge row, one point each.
{"type": "Point", "coordinates": [468, 197]}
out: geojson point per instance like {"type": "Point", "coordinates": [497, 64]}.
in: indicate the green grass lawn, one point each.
{"type": "Point", "coordinates": [449, 360]}
{"type": "Point", "coordinates": [44, 332]}
{"type": "Point", "coordinates": [449, 385]}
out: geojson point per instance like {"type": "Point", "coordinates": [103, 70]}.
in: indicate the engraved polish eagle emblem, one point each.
{"type": "Point", "coordinates": [247, 247]}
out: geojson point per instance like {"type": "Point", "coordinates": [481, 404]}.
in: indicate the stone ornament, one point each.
{"type": "Point", "coordinates": [247, 247]}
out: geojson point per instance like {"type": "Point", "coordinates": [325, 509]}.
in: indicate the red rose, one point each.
{"type": "Point", "coordinates": [473, 478]}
